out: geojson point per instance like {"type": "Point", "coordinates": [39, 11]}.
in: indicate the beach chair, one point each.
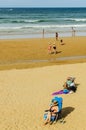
{"type": "Point", "coordinates": [60, 103]}
{"type": "Point", "coordinates": [59, 100]}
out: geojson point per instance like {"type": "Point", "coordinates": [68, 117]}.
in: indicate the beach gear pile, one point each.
{"type": "Point", "coordinates": [68, 87]}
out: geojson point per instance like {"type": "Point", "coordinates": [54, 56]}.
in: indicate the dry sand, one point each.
{"type": "Point", "coordinates": [26, 93]}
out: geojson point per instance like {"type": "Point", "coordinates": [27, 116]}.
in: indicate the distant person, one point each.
{"type": "Point", "coordinates": [56, 36]}
{"type": "Point", "coordinates": [54, 48]}
{"type": "Point", "coordinates": [73, 32]}
{"type": "Point", "coordinates": [61, 42]}
{"type": "Point", "coordinates": [43, 33]}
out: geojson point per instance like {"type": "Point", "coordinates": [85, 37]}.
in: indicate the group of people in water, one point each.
{"type": "Point", "coordinates": [54, 112]}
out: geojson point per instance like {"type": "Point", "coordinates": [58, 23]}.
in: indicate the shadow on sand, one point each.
{"type": "Point", "coordinates": [66, 111]}
{"type": "Point", "coordinates": [76, 86]}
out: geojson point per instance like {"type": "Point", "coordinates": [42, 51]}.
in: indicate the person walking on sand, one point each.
{"type": "Point", "coordinates": [54, 48]}
{"type": "Point", "coordinates": [56, 36]}
{"type": "Point", "coordinates": [61, 42]}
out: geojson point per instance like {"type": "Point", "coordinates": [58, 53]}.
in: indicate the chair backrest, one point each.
{"type": "Point", "coordinates": [59, 100]}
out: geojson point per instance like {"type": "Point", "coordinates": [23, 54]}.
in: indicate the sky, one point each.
{"type": "Point", "coordinates": [42, 3]}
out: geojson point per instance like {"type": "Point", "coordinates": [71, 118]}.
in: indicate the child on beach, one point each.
{"type": "Point", "coordinates": [50, 48]}
{"type": "Point", "coordinates": [61, 42]}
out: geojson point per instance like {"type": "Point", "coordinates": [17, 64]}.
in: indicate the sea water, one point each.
{"type": "Point", "coordinates": [32, 22]}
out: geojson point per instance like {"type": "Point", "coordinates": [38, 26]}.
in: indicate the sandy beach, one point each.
{"type": "Point", "coordinates": [26, 93]}
{"type": "Point", "coordinates": [24, 53]}
{"type": "Point", "coordinates": [26, 88]}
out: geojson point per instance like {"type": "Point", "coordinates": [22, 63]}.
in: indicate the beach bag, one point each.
{"type": "Point", "coordinates": [65, 91]}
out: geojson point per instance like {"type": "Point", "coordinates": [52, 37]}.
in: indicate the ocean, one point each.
{"type": "Point", "coordinates": [31, 22]}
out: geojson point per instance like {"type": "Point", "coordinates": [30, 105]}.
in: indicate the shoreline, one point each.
{"type": "Point", "coordinates": [41, 35]}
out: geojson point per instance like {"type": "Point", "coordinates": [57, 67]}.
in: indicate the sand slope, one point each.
{"type": "Point", "coordinates": [26, 93]}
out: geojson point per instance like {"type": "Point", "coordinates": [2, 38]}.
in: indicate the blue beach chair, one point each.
{"type": "Point", "coordinates": [60, 103]}
{"type": "Point", "coordinates": [58, 114]}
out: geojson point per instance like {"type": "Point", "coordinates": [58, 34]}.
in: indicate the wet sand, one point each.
{"type": "Point", "coordinates": [19, 53]}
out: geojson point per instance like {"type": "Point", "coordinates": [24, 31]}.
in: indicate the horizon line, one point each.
{"type": "Point", "coordinates": [40, 7]}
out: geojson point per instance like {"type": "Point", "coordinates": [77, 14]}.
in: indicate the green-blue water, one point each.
{"type": "Point", "coordinates": [30, 22]}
